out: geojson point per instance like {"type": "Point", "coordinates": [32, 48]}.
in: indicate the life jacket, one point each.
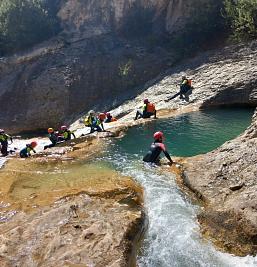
{"type": "Point", "coordinates": [150, 108]}
{"type": "Point", "coordinates": [102, 116]}
{"type": "Point", "coordinates": [67, 135]}
{"type": "Point", "coordinates": [189, 82]}
{"type": "Point", "coordinates": [4, 137]}
{"type": "Point", "coordinates": [88, 121]}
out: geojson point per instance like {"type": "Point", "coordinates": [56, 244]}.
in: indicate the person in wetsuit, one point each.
{"type": "Point", "coordinates": [4, 142]}
{"type": "Point", "coordinates": [65, 134]}
{"type": "Point", "coordinates": [26, 151]}
{"type": "Point", "coordinates": [156, 148]}
{"type": "Point", "coordinates": [53, 137]}
{"type": "Point", "coordinates": [185, 90]}
{"type": "Point", "coordinates": [93, 122]}
{"type": "Point", "coordinates": [147, 111]}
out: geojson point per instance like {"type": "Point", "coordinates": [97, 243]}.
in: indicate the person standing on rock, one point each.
{"type": "Point", "coordinates": [147, 111]}
{"type": "Point", "coordinates": [185, 89]}
{"type": "Point", "coordinates": [153, 155]}
{"type": "Point", "coordinates": [4, 142]}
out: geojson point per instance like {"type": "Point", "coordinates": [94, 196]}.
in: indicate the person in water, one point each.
{"type": "Point", "coordinates": [147, 111]}
{"type": "Point", "coordinates": [156, 148]}
{"type": "Point", "coordinates": [109, 118]}
{"type": "Point", "coordinates": [185, 89]}
{"type": "Point", "coordinates": [65, 134]}
{"type": "Point", "coordinates": [4, 142]}
{"type": "Point", "coordinates": [26, 151]}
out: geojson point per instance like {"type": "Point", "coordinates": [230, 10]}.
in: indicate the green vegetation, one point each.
{"type": "Point", "coordinates": [242, 18]}
{"type": "Point", "coordinates": [24, 23]}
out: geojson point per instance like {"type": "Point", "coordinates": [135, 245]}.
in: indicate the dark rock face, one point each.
{"type": "Point", "coordinates": [104, 53]}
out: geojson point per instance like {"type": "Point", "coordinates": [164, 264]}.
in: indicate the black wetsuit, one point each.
{"type": "Point", "coordinates": [108, 119]}
{"type": "Point", "coordinates": [53, 138]}
{"type": "Point", "coordinates": [153, 154]}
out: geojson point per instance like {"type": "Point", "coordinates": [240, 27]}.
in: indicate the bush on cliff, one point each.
{"type": "Point", "coordinates": [242, 18]}
{"type": "Point", "coordinates": [24, 23]}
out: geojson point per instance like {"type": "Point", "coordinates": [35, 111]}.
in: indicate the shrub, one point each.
{"type": "Point", "coordinates": [242, 18]}
{"type": "Point", "coordinates": [24, 23]}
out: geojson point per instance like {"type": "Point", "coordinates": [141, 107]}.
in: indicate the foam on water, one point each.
{"type": "Point", "coordinates": [173, 235]}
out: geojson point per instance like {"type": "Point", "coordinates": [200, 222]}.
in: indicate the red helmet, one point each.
{"type": "Point", "coordinates": [146, 101]}
{"type": "Point", "coordinates": [1, 131]}
{"type": "Point", "coordinates": [64, 127]}
{"type": "Point", "coordinates": [50, 130]}
{"type": "Point", "coordinates": [158, 135]}
{"type": "Point", "coordinates": [33, 144]}
{"type": "Point", "coordinates": [108, 114]}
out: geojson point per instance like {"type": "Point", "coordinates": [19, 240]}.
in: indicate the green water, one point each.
{"type": "Point", "coordinates": [173, 236]}
{"type": "Point", "coordinates": [189, 134]}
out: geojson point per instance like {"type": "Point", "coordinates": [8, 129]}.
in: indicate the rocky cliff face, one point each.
{"type": "Point", "coordinates": [106, 50]}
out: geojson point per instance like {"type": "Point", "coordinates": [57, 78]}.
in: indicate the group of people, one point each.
{"type": "Point", "coordinates": [57, 137]}
{"type": "Point", "coordinates": [96, 123]}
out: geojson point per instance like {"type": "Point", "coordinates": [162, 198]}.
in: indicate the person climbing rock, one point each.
{"type": "Point", "coordinates": [65, 134]}
{"type": "Point", "coordinates": [109, 118]}
{"type": "Point", "coordinates": [26, 151]}
{"type": "Point", "coordinates": [93, 122]}
{"type": "Point", "coordinates": [156, 148]}
{"type": "Point", "coordinates": [53, 136]}
{"type": "Point", "coordinates": [147, 111]}
{"type": "Point", "coordinates": [4, 142]}
{"type": "Point", "coordinates": [185, 89]}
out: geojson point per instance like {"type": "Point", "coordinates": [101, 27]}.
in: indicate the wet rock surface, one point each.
{"type": "Point", "coordinates": [225, 180]}
{"type": "Point", "coordinates": [222, 77]}
{"type": "Point", "coordinates": [59, 209]}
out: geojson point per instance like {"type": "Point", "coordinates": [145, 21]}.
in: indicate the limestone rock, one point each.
{"type": "Point", "coordinates": [230, 217]}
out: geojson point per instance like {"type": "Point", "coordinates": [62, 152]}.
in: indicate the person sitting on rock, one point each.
{"type": "Point", "coordinates": [109, 118]}
{"type": "Point", "coordinates": [65, 134]}
{"type": "Point", "coordinates": [26, 151]}
{"type": "Point", "coordinates": [53, 136]}
{"type": "Point", "coordinates": [4, 142]}
{"type": "Point", "coordinates": [153, 155]}
{"type": "Point", "coordinates": [147, 111]}
{"type": "Point", "coordinates": [185, 89]}
{"type": "Point", "coordinates": [93, 122]}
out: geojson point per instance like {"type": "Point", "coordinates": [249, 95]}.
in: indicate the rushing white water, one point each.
{"type": "Point", "coordinates": [173, 236]}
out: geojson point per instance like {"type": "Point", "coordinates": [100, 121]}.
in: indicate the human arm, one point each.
{"type": "Point", "coordinates": [167, 155]}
